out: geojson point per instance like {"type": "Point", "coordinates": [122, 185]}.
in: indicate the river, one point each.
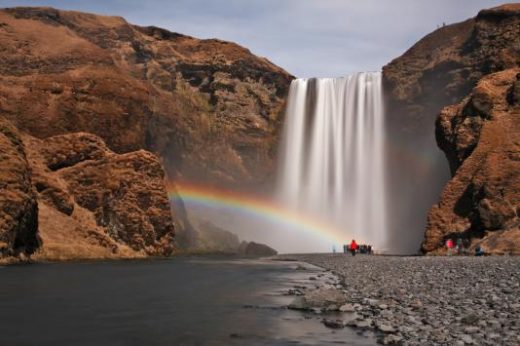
{"type": "Point", "coordinates": [179, 301]}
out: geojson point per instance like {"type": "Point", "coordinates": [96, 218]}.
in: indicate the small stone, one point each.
{"type": "Point", "coordinates": [298, 303]}
{"type": "Point", "coordinates": [469, 319]}
{"type": "Point", "coordinates": [471, 329]}
{"type": "Point", "coordinates": [347, 308]}
{"type": "Point", "coordinates": [363, 323]}
{"type": "Point", "coordinates": [385, 328]}
{"type": "Point", "coordinates": [334, 324]}
{"type": "Point", "coordinates": [392, 339]}
{"type": "Point", "coordinates": [332, 307]}
{"type": "Point", "coordinates": [467, 339]}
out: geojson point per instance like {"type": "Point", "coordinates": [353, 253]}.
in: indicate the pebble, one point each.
{"type": "Point", "coordinates": [347, 308]}
{"type": "Point", "coordinates": [335, 324]}
{"type": "Point", "coordinates": [386, 328]}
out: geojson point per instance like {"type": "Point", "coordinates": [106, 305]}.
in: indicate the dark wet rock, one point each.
{"type": "Point", "coordinates": [334, 324]}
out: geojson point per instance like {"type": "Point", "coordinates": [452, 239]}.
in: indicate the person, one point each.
{"type": "Point", "coordinates": [479, 251]}
{"type": "Point", "coordinates": [459, 246]}
{"type": "Point", "coordinates": [449, 246]}
{"type": "Point", "coordinates": [353, 247]}
{"type": "Point", "coordinates": [369, 249]}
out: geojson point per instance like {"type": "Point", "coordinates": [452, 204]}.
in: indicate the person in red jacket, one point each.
{"type": "Point", "coordinates": [353, 247]}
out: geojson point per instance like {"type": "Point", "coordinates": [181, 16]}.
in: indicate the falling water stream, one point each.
{"type": "Point", "coordinates": [333, 155]}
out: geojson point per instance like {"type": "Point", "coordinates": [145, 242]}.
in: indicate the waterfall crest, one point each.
{"type": "Point", "coordinates": [332, 155]}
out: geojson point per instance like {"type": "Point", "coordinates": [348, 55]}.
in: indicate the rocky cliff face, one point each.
{"type": "Point", "coordinates": [442, 69]}
{"type": "Point", "coordinates": [209, 108]}
{"type": "Point", "coordinates": [70, 197]}
{"type": "Point", "coordinates": [445, 65]}
{"type": "Point", "coordinates": [71, 82]}
{"type": "Point", "coordinates": [481, 137]}
{"type": "Point", "coordinates": [18, 206]}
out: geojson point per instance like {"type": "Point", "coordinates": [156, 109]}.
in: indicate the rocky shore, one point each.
{"type": "Point", "coordinates": [419, 300]}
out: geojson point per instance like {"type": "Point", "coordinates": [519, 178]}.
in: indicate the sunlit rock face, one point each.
{"type": "Point", "coordinates": [439, 70]}
{"type": "Point", "coordinates": [211, 109]}
{"type": "Point", "coordinates": [481, 138]}
{"type": "Point", "coordinates": [332, 161]}
{"type": "Point", "coordinates": [70, 197]}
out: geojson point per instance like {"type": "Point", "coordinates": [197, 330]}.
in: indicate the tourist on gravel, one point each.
{"type": "Point", "coordinates": [459, 246]}
{"type": "Point", "coordinates": [353, 247]}
{"type": "Point", "coordinates": [449, 246]}
{"type": "Point", "coordinates": [479, 251]}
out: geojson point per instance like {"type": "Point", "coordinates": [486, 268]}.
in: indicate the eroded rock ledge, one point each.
{"type": "Point", "coordinates": [481, 138]}
{"type": "Point", "coordinates": [70, 197]}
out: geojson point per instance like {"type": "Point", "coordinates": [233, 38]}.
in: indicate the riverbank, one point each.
{"type": "Point", "coordinates": [429, 300]}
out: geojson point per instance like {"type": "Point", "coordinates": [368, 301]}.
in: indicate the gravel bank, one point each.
{"type": "Point", "coordinates": [430, 300]}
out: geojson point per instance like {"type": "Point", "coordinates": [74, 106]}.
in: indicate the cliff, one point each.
{"type": "Point", "coordinates": [209, 108]}
{"type": "Point", "coordinates": [459, 65]}
{"type": "Point", "coordinates": [481, 138]}
{"type": "Point", "coordinates": [70, 197]}
{"type": "Point", "coordinates": [444, 66]}
{"type": "Point", "coordinates": [18, 206]}
{"type": "Point", "coordinates": [95, 111]}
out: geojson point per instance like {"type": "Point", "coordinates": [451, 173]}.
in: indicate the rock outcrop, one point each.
{"type": "Point", "coordinates": [481, 138]}
{"type": "Point", "coordinates": [209, 108]}
{"type": "Point", "coordinates": [445, 65]}
{"type": "Point", "coordinates": [439, 70]}
{"type": "Point", "coordinates": [72, 81]}
{"type": "Point", "coordinates": [256, 249]}
{"type": "Point", "coordinates": [70, 197]}
{"type": "Point", "coordinates": [18, 206]}
{"type": "Point", "coordinates": [213, 239]}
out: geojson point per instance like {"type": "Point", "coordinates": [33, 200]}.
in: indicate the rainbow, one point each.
{"type": "Point", "coordinates": [256, 207]}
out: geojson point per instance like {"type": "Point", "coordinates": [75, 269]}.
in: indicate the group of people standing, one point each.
{"type": "Point", "coordinates": [353, 248]}
{"type": "Point", "coordinates": [461, 247]}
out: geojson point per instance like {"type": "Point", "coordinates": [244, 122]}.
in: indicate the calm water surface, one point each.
{"type": "Point", "coordinates": [182, 301]}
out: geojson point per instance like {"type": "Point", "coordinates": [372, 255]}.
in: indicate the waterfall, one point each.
{"type": "Point", "coordinates": [332, 159]}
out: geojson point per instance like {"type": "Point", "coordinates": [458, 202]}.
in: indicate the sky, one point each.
{"type": "Point", "coordinates": [308, 38]}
